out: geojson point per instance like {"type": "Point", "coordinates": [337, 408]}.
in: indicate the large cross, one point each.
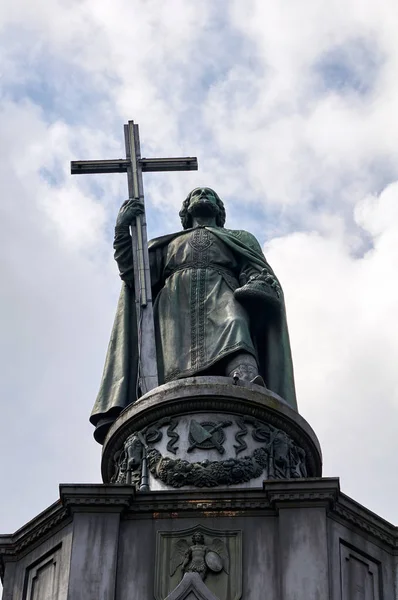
{"type": "Point", "coordinates": [134, 166]}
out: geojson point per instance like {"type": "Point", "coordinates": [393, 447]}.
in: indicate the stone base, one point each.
{"type": "Point", "coordinates": [207, 432]}
{"type": "Point", "coordinates": [291, 540]}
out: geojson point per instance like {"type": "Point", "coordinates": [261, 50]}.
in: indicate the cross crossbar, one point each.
{"type": "Point", "coordinates": [134, 166]}
{"type": "Point", "coordinates": [120, 165]}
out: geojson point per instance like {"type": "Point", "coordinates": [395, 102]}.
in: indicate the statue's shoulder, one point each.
{"type": "Point", "coordinates": [245, 238]}
{"type": "Point", "coordinates": [164, 240]}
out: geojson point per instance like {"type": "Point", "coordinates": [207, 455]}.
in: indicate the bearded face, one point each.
{"type": "Point", "coordinates": [203, 202]}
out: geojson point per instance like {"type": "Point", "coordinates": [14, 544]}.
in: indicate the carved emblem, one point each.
{"type": "Point", "coordinates": [207, 435]}
{"type": "Point", "coordinates": [214, 555]}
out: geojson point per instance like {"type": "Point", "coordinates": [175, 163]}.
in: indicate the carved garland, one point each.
{"type": "Point", "coordinates": [179, 472]}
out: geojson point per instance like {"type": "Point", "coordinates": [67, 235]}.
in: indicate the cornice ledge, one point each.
{"type": "Point", "coordinates": [348, 510]}
{"type": "Point", "coordinates": [217, 507]}
{"type": "Point", "coordinates": [314, 491]}
{"type": "Point", "coordinates": [12, 545]}
{"type": "Point", "coordinates": [96, 497]}
{"type": "Point", "coordinates": [218, 502]}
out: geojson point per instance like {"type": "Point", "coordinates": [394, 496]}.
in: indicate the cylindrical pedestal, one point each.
{"type": "Point", "coordinates": [206, 432]}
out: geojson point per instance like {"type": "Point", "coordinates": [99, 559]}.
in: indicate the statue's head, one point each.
{"type": "Point", "coordinates": [204, 199]}
{"type": "Point", "coordinates": [198, 538]}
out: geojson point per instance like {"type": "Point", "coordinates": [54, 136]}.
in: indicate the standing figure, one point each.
{"type": "Point", "coordinates": [218, 309]}
{"type": "Point", "coordinates": [194, 561]}
{"type": "Point", "coordinates": [199, 558]}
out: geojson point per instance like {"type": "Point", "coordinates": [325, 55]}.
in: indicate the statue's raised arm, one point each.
{"type": "Point", "coordinates": [128, 212]}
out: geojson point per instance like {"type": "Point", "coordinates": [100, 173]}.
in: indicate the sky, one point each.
{"type": "Point", "coordinates": [291, 109]}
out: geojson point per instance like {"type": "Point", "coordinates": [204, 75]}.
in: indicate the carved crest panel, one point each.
{"type": "Point", "coordinates": [215, 555]}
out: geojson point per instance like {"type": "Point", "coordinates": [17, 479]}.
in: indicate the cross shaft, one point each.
{"type": "Point", "coordinates": [134, 166]}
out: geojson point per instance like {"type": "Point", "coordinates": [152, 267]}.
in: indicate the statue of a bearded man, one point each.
{"type": "Point", "coordinates": [218, 309]}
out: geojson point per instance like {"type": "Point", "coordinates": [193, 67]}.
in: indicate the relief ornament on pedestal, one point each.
{"type": "Point", "coordinates": [199, 557]}
{"type": "Point", "coordinates": [278, 456]}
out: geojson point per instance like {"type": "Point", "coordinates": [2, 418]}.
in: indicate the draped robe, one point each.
{"type": "Point", "coordinates": [198, 321]}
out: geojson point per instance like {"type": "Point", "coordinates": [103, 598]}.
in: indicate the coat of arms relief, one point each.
{"type": "Point", "coordinates": [214, 555]}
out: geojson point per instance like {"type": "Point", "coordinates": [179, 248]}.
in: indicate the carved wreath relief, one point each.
{"type": "Point", "coordinates": [273, 453]}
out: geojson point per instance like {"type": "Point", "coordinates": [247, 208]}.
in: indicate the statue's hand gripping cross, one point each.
{"type": "Point", "coordinates": [134, 166]}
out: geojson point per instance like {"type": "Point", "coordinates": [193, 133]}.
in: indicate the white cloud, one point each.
{"type": "Point", "coordinates": [343, 322]}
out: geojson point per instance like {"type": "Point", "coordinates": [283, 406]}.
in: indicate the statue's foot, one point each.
{"type": "Point", "coordinates": [243, 366]}
{"type": "Point", "coordinates": [258, 380]}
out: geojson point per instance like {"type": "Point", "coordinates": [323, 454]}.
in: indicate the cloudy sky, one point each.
{"type": "Point", "coordinates": [291, 109]}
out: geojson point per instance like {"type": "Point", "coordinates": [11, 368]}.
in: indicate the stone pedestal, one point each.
{"type": "Point", "coordinates": [290, 540]}
{"type": "Point", "coordinates": [212, 491]}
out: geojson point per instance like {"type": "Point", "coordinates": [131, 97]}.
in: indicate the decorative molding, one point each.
{"type": "Point", "coordinates": [40, 531]}
{"type": "Point", "coordinates": [367, 525]}
{"type": "Point", "coordinates": [36, 530]}
{"type": "Point", "coordinates": [211, 503]}
{"type": "Point", "coordinates": [299, 497]}
{"type": "Point", "coordinates": [326, 491]}
{"type": "Point", "coordinates": [308, 491]}
{"type": "Point", "coordinates": [92, 498]}
{"type": "Point", "coordinates": [208, 505]}
{"type": "Point", "coordinates": [220, 508]}
{"type": "Point", "coordinates": [110, 498]}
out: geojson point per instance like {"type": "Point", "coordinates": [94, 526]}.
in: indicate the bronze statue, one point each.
{"type": "Point", "coordinates": [218, 309]}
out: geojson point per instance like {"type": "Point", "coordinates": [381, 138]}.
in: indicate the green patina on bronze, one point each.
{"type": "Point", "coordinates": [199, 322]}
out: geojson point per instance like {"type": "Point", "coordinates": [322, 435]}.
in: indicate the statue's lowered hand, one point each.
{"type": "Point", "coordinates": [263, 287]}
{"type": "Point", "coordinates": [129, 210]}
{"type": "Point", "coordinates": [270, 280]}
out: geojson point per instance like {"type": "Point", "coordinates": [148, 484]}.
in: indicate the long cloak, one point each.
{"type": "Point", "coordinates": [118, 386]}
